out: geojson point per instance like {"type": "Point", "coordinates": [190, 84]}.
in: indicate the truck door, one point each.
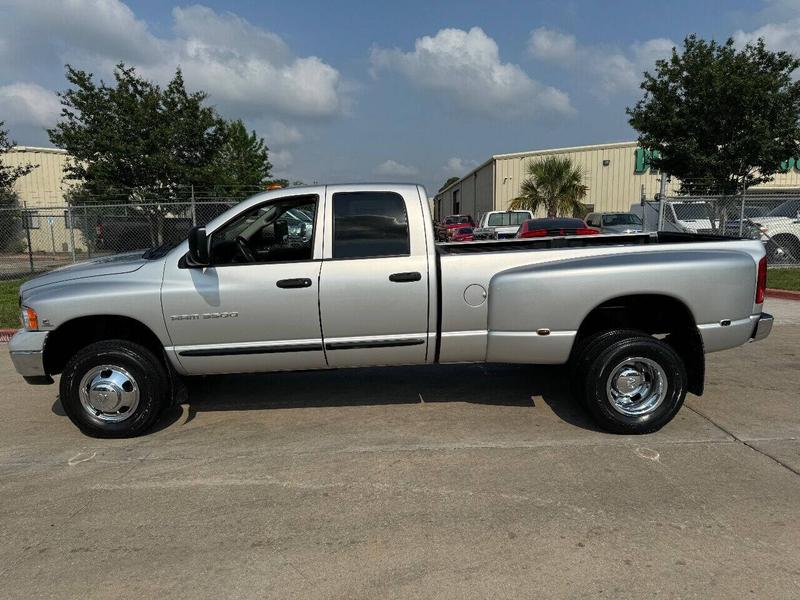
{"type": "Point", "coordinates": [256, 307]}
{"type": "Point", "coordinates": [374, 297]}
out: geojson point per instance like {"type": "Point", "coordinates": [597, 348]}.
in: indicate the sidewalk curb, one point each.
{"type": "Point", "coordinates": [5, 334]}
{"type": "Point", "coordinates": [783, 294]}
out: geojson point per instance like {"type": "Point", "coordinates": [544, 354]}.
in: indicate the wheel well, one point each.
{"type": "Point", "coordinates": [658, 315]}
{"type": "Point", "coordinates": [67, 339]}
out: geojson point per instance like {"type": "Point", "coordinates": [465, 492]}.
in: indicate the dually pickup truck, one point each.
{"type": "Point", "coordinates": [350, 276]}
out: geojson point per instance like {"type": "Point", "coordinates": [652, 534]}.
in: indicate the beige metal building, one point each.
{"type": "Point", "coordinates": [41, 194]}
{"type": "Point", "coordinates": [617, 175]}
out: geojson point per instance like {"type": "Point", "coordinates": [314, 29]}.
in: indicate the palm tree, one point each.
{"type": "Point", "coordinates": [555, 183]}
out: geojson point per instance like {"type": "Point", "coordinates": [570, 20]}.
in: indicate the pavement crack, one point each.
{"type": "Point", "coordinates": [743, 441]}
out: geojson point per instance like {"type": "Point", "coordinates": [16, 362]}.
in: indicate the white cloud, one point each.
{"type": "Point", "coordinates": [778, 36]}
{"type": "Point", "coordinates": [551, 45]}
{"type": "Point", "coordinates": [392, 168]}
{"type": "Point", "coordinates": [48, 28]}
{"type": "Point", "coordinates": [281, 159]}
{"type": "Point", "coordinates": [280, 133]}
{"type": "Point", "coordinates": [464, 68]}
{"type": "Point", "coordinates": [608, 71]}
{"type": "Point", "coordinates": [459, 166]}
{"type": "Point", "coordinates": [28, 104]}
{"type": "Point", "coordinates": [247, 71]}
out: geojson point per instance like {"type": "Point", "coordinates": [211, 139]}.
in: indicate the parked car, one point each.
{"type": "Point", "coordinates": [364, 284]}
{"type": "Point", "coordinates": [463, 234]}
{"type": "Point", "coordinates": [615, 222]}
{"type": "Point", "coordinates": [502, 223]}
{"type": "Point", "coordinates": [559, 226]}
{"type": "Point", "coordinates": [780, 231]}
{"type": "Point", "coordinates": [450, 223]}
{"type": "Point", "coordinates": [688, 217]}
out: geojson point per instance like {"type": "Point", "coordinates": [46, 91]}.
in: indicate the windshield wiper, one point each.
{"type": "Point", "coordinates": [158, 251]}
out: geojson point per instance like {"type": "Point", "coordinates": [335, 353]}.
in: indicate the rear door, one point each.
{"type": "Point", "coordinates": [374, 295]}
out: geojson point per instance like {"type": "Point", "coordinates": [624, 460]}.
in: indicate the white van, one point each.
{"type": "Point", "coordinates": [501, 224]}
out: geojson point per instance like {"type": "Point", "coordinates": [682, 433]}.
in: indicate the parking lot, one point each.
{"type": "Point", "coordinates": [451, 482]}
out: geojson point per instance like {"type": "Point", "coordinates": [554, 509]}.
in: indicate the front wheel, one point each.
{"type": "Point", "coordinates": [114, 389]}
{"type": "Point", "coordinates": [635, 385]}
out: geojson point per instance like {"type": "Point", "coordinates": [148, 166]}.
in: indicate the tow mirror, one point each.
{"type": "Point", "coordinates": [198, 246]}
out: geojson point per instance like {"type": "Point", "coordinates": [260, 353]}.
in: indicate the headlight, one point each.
{"type": "Point", "coordinates": [29, 318]}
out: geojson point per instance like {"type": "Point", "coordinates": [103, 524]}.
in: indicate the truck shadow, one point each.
{"type": "Point", "coordinates": [489, 384]}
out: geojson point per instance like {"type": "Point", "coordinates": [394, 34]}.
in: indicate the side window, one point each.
{"type": "Point", "coordinates": [278, 231]}
{"type": "Point", "coordinates": [369, 224]}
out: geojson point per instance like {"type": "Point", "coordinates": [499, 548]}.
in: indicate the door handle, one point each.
{"type": "Point", "coordinates": [403, 277]}
{"type": "Point", "coordinates": [300, 282]}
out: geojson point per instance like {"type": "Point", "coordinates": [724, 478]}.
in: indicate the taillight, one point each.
{"type": "Point", "coordinates": [761, 283]}
{"type": "Point", "coordinates": [535, 233]}
{"type": "Point", "coordinates": [586, 231]}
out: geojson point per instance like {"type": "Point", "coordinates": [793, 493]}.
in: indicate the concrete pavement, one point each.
{"type": "Point", "coordinates": [447, 482]}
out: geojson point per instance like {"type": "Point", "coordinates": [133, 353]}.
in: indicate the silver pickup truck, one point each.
{"type": "Point", "coordinates": [349, 276]}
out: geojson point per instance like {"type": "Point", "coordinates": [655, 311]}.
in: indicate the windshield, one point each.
{"type": "Point", "coordinates": [686, 211]}
{"type": "Point", "coordinates": [787, 209]}
{"type": "Point", "coordinates": [621, 219]}
{"type": "Point", "coordinates": [455, 220]}
{"type": "Point", "coordinates": [507, 219]}
{"type": "Point", "coordinates": [158, 251]}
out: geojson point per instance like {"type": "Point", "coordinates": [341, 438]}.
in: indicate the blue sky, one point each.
{"type": "Point", "coordinates": [355, 91]}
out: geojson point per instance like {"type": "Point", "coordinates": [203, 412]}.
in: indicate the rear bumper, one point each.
{"type": "Point", "coordinates": [27, 354]}
{"type": "Point", "coordinates": [762, 328]}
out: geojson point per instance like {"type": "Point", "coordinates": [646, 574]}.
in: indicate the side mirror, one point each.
{"type": "Point", "coordinates": [198, 246]}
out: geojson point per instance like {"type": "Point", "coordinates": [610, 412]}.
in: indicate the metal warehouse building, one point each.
{"type": "Point", "coordinates": [617, 175]}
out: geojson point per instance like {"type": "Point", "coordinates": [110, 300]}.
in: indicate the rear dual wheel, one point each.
{"type": "Point", "coordinates": [630, 382]}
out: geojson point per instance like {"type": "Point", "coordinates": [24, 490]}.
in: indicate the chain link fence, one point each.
{"type": "Point", "coordinates": [41, 238]}
{"type": "Point", "coordinates": [772, 218]}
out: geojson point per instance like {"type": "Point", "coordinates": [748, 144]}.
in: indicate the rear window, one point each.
{"type": "Point", "coordinates": [621, 219]}
{"type": "Point", "coordinates": [691, 211]}
{"type": "Point", "coordinates": [507, 219]}
{"type": "Point", "coordinates": [790, 208]}
{"type": "Point", "coordinates": [369, 224]}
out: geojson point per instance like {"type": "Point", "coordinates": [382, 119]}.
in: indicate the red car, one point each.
{"type": "Point", "coordinates": [450, 224]}
{"type": "Point", "coordinates": [463, 234]}
{"type": "Point", "coordinates": [554, 227]}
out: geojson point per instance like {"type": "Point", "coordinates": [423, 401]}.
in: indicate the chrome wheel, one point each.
{"type": "Point", "coordinates": [636, 386]}
{"type": "Point", "coordinates": [109, 393]}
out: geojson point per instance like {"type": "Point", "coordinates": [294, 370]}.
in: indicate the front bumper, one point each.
{"type": "Point", "coordinates": [27, 354]}
{"type": "Point", "coordinates": [762, 328]}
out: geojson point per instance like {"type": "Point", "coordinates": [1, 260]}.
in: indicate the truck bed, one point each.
{"type": "Point", "coordinates": [577, 241]}
{"type": "Point", "coordinates": [495, 295]}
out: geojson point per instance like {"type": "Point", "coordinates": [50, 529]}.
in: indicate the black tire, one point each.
{"type": "Point", "coordinates": [789, 244]}
{"type": "Point", "coordinates": [585, 352]}
{"type": "Point", "coordinates": [149, 377]}
{"type": "Point", "coordinates": [604, 363]}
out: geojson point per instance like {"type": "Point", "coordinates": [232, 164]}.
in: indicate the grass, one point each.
{"type": "Point", "coordinates": [9, 303]}
{"type": "Point", "coordinates": [784, 279]}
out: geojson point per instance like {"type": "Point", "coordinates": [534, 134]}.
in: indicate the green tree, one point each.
{"type": "Point", "coordinates": [135, 142]}
{"type": "Point", "coordinates": [553, 183]}
{"type": "Point", "coordinates": [10, 220]}
{"type": "Point", "coordinates": [242, 162]}
{"type": "Point", "coordinates": [9, 174]}
{"type": "Point", "coordinates": [721, 118]}
{"type": "Point", "coordinates": [450, 181]}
